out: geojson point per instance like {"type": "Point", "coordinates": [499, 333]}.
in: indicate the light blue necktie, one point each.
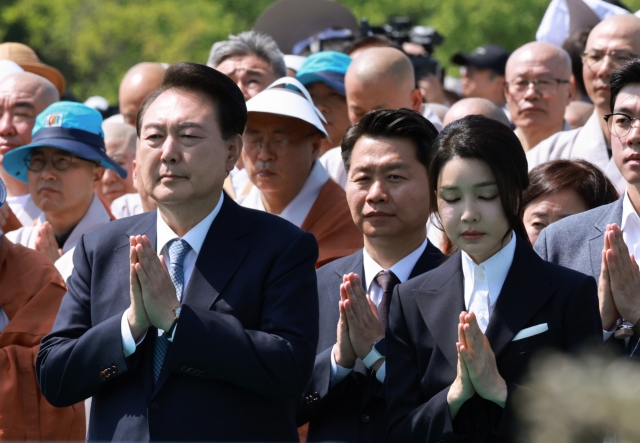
{"type": "Point", "coordinates": [178, 250]}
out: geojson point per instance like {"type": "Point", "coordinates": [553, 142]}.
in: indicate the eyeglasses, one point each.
{"type": "Point", "coordinates": [619, 124]}
{"type": "Point", "coordinates": [544, 86]}
{"type": "Point", "coordinates": [594, 58]}
{"type": "Point", "coordinates": [61, 160]}
{"type": "Point", "coordinates": [278, 142]}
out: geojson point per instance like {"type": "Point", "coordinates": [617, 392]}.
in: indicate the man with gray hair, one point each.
{"type": "Point", "coordinates": [251, 59]}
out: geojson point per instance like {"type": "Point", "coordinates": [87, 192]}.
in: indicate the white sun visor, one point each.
{"type": "Point", "coordinates": [287, 102]}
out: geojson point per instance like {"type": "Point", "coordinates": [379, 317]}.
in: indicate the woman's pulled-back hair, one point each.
{"type": "Point", "coordinates": [492, 142]}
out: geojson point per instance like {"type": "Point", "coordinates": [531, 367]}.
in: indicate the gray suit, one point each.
{"type": "Point", "coordinates": [576, 242]}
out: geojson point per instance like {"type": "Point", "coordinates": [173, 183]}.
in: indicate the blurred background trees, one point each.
{"type": "Point", "coordinates": [94, 42]}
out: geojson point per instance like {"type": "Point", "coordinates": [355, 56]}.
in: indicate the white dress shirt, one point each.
{"type": "Point", "coordinates": [127, 205]}
{"type": "Point", "coordinates": [630, 227]}
{"type": "Point", "coordinates": [195, 237]}
{"type": "Point", "coordinates": [298, 209]}
{"type": "Point", "coordinates": [483, 282]}
{"type": "Point", "coordinates": [239, 179]}
{"type": "Point", "coordinates": [402, 270]}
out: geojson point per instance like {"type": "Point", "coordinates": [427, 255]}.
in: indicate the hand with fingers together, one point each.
{"type": "Point", "coordinates": [480, 362]}
{"type": "Point", "coordinates": [150, 284]}
{"type": "Point", "coordinates": [624, 275]}
{"type": "Point", "coordinates": [362, 318]}
{"type": "Point", "coordinates": [46, 242]}
{"type": "Point", "coordinates": [462, 389]}
{"type": "Point", "coordinates": [608, 311]}
{"type": "Point", "coordinates": [343, 352]}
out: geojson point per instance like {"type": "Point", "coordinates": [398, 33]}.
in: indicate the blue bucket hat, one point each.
{"type": "Point", "coordinates": [328, 67]}
{"type": "Point", "coordinates": [69, 126]}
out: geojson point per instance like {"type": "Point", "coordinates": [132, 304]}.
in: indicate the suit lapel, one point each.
{"type": "Point", "coordinates": [222, 253]}
{"type": "Point", "coordinates": [520, 298]}
{"type": "Point", "coordinates": [430, 259]}
{"type": "Point", "coordinates": [353, 263]}
{"type": "Point", "coordinates": [596, 242]}
{"type": "Point", "coordinates": [440, 300]}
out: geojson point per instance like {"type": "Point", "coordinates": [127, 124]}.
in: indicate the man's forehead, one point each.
{"type": "Point", "coordinates": [243, 63]}
{"type": "Point", "coordinates": [628, 98]}
{"type": "Point", "coordinates": [18, 90]}
{"type": "Point", "coordinates": [611, 39]}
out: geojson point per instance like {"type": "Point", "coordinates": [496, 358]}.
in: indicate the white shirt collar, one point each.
{"type": "Point", "coordinates": [298, 209]}
{"type": "Point", "coordinates": [401, 269]}
{"type": "Point", "coordinates": [630, 227]}
{"type": "Point", "coordinates": [196, 235]}
{"type": "Point", "coordinates": [494, 269]}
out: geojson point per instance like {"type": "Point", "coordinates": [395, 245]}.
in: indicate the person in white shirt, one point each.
{"type": "Point", "coordinates": [460, 338]}
{"type": "Point", "coordinates": [62, 166]}
{"type": "Point", "coordinates": [388, 195]}
{"type": "Point", "coordinates": [281, 145]}
{"type": "Point", "coordinates": [23, 96]}
{"type": "Point", "coordinates": [611, 43]}
{"type": "Point", "coordinates": [605, 242]}
{"type": "Point", "coordinates": [538, 88]}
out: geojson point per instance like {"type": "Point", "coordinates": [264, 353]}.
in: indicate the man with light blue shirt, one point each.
{"type": "Point", "coordinates": [388, 194]}
{"type": "Point", "coordinates": [599, 242]}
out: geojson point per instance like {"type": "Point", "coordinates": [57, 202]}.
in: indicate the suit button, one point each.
{"type": "Point", "coordinates": [114, 369]}
{"type": "Point", "coordinates": [153, 407]}
{"type": "Point", "coordinates": [365, 418]}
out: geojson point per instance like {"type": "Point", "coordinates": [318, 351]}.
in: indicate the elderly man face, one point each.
{"type": "Point", "coordinates": [120, 142]}
{"type": "Point", "coordinates": [380, 78]}
{"type": "Point", "coordinates": [333, 106]}
{"type": "Point", "coordinates": [482, 83]}
{"type": "Point", "coordinates": [278, 153]}
{"type": "Point", "coordinates": [61, 183]}
{"type": "Point", "coordinates": [538, 88]}
{"type": "Point", "coordinates": [251, 73]}
{"type": "Point", "coordinates": [611, 43]}
{"type": "Point", "coordinates": [22, 97]}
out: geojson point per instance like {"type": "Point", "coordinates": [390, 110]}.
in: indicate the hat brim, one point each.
{"type": "Point", "coordinates": [319, 77]}
{"type": "Point", "coordinates": [13, 161]}
{"type": "Point", "coordinates": [48, 72]}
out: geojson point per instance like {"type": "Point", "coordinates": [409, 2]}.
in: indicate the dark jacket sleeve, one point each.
{"type": "Point", "coordinates": [75, 358]}
{"type": "Point", "coordinates": [275, 361]}
{"type": "Point", "coordinates": [410, 416]}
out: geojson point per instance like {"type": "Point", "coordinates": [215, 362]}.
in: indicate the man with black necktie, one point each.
{"type": "Point", "coordinates": [388, 195]}
{"type": "Point", "coordinates": [197, 322]}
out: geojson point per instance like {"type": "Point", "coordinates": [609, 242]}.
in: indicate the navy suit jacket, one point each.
{"type": "Point", "coordinates": [354, 409]}
{"type": "Point", "coordinates": [422, 335]}
{"type": "Point", "coordinates": [242, 353]}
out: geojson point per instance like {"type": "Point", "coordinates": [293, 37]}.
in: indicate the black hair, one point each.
{"type": "Point", "coordinates": [223, 93]}
{"type": "Point", "coordinates": [627, 74]}
{"type": "Point", "coordinates": [490, 141]}
{"type": "Point", "coordinates": [392, 123]}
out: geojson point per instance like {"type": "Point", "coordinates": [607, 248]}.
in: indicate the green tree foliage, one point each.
{"type": "Point", "coordinates": [94, 42]}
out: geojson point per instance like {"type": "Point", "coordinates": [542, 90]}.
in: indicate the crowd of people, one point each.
{"type": "Point", "coordinates": [322, 248]}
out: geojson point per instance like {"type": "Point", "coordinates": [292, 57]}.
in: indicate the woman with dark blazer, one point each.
{"type": "Point", "coordinates": [460, 337]}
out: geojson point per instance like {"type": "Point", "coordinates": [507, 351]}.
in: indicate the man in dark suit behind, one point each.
{"type": "Point", "coordinates": [388, 194]}
{"type": "Point", "coordinates": [212, 337]}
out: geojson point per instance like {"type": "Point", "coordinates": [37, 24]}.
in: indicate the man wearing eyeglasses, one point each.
{"type": "Point", "coordinates": [537, 91]}
{"type": "Point", "coordinates": [282, 142]}
{"type": "Point", "coordinates": [611, 43]}
{"type": "Point", "coordinates": [61, 166]}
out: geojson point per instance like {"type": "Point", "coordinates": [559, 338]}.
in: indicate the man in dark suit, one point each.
{"type": "Point", "coordinates": [388, 194]}
{"type": "Point", "coordinates": [212, 340]}
{"type": "Point", "coordinates": [599, 242]}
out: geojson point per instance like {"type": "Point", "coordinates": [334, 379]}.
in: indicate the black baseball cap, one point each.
{"type": "Point", "coordinates": [491, 57]}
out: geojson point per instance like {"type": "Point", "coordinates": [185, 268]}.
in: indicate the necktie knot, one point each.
{"type": "Point", "coordinates": [387, 280]}
{"type": "Point", "coordinates": [178, 250]}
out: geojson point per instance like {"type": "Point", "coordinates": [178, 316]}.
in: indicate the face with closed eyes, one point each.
{"type": "Point", "coordinates": [470, 208]}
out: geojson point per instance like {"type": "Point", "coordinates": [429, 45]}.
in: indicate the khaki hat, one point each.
{"type": "Point", "coordinates": [27, 59]}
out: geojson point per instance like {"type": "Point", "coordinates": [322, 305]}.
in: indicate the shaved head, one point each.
{"type": "Point", "coordinates": [380, 78]}
{"type": "Point", "coordinates": [121, 132]}
{"type": "Point", "coordinates": [22, 97]}
{"type": "Point", "coordinates": [120, 142]}
{"type": "Point", "coordinates": [137, 84]}
{"type": "Point", "coordinates": [620, 33]}
{"type": "Point", "coordinates": [475, 106]}
{"type": "Point", "coordinates": [538, 90]}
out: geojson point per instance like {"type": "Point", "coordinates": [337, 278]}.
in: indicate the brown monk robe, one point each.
{"type": "Point", "coordinates": [31, 290]}
{"type": "Point", "coordinates": [329, 220]}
